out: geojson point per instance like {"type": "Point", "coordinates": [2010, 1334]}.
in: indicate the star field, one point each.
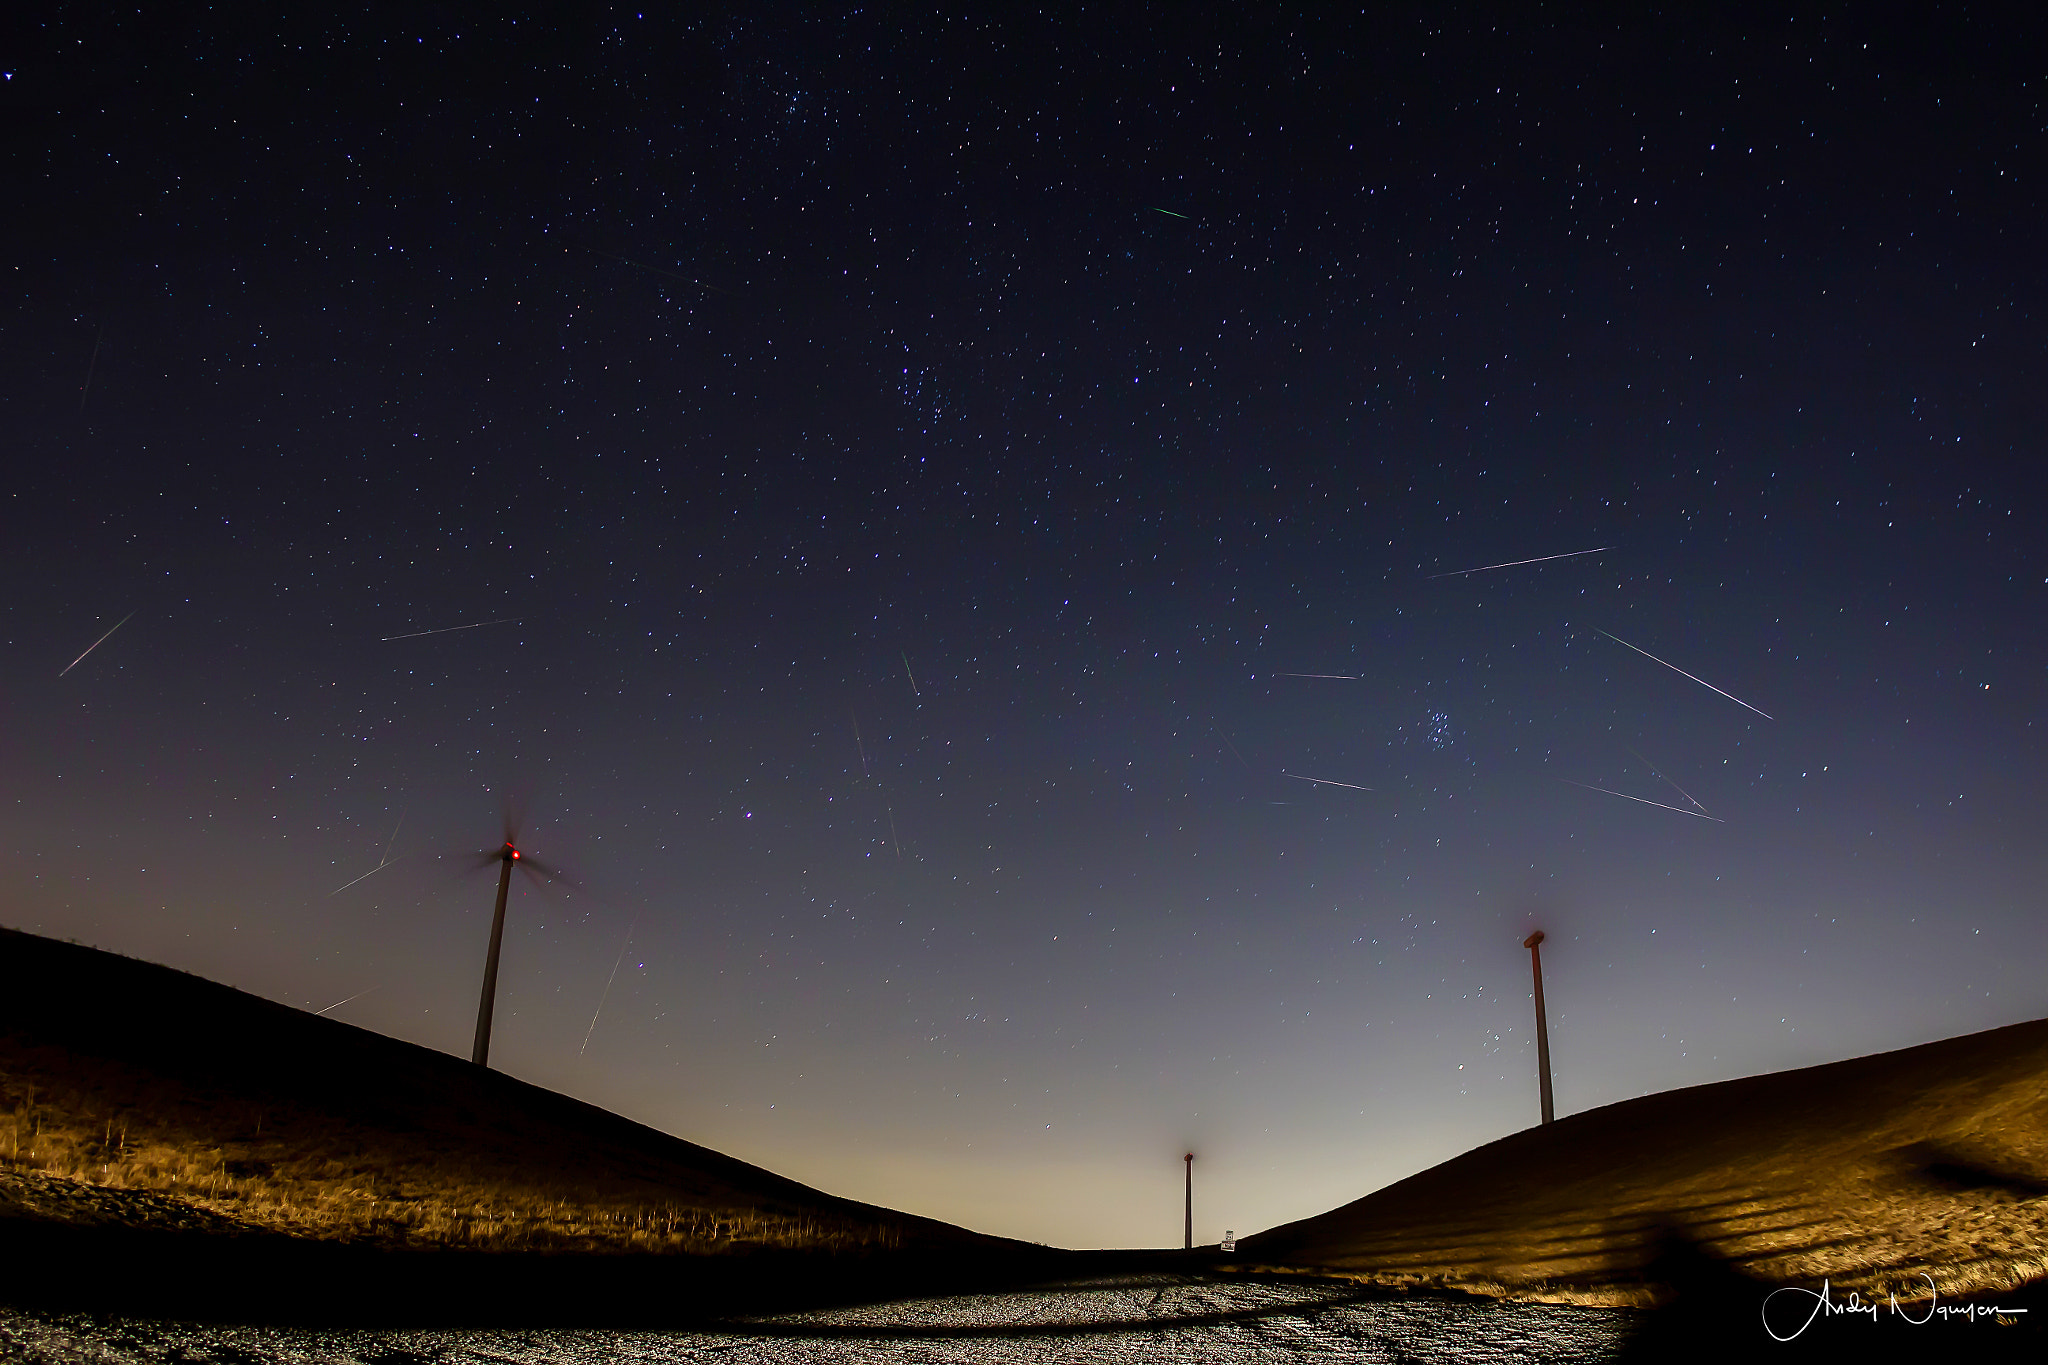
{"type": "Point", "coordinates": [916, 466]}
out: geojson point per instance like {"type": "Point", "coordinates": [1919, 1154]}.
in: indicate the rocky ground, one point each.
{"type": "Point", "coordinates": [1151, 1318]}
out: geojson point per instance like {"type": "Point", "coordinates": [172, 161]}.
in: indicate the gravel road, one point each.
{"type": "Point", "coordinates": [1149, 1318]}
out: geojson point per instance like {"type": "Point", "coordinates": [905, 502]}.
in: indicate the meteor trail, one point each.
{"type": "Point", "coordinates": [1341, 677]}
{"type": "Point", "coordinates": [382, 862]}
{"type": "Point", "coordinates": [1168, 212]}
{"type": "Point", "coordinates": [1682, 673]}
{"type": "Point", "coordinates": [501, 621]}
{"type": "Point", "coordinates": [1233, 748]}
{"type": "Point", "coordinates": [608, 986]}
{"type": "Point", "coordinates": [86, 392]}
{"type": "Point", "coordinates": [861, 746]}
{"type": "Point", "coordinates": [97, 643]}
{"type": "Point", "coordinates": [1673, 785]}
{"type": "Point", "coordinates": [912, 676]}
{"type": "Point", "coordinates": [657, 270]}
{"type": "Point", "coordinates": [346, 885]}
{"type": "Point", "coordinates": [394, 835]}
{"type": "Point", "coordinates": [1324, 781]}
{"type": "Point", "coordinates": [1697, 815]}
{"type": "Point", "coordinates": [1514, 563]}
{"type": "Point", "coordinates": [339, 1003]}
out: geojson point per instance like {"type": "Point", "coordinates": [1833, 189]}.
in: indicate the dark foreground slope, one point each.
{"type": "Point", "coordinates": [1868, 1173]}
{"type": "Point", "coordinates": [175, 1145]}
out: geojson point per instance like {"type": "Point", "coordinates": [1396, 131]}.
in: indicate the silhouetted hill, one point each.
{"type": "Point", "coordinates": [168, 1121]}
{"type": "Point", "coordinates": [1868, 1173]}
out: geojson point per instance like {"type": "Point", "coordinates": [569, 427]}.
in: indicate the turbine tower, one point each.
{"type": "Point", "coordinates": [1533, 944]}
{"type": "Point", "coordinates": [1188, 1225]}
{"type": "Point", "coordinates": [481, 1052]}
{"type": "Point", "coordinates": [506, 856]}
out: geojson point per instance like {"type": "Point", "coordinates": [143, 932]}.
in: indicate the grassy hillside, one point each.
{"type": "Point", "coordinates": [135, 1096]}
{"type": "Point", "coordinates": [1866, 1172]}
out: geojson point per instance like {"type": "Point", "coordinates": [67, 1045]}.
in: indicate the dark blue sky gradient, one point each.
{"type": "Point", "coordinates": [914, 451]}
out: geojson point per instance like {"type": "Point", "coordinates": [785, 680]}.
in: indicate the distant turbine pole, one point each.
{"type": "Point", "coordinates": [481, 1054]}
{"type": "Point", "coordinates": [1532, 943]}
{"type": "Point", "coordinates": [1188, 1227]}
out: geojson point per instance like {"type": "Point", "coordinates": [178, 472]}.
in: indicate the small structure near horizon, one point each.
{"type": "Point", "coordinates": [1229, 1240]}
{"type": "Point", "coordinates": [1188, 1225]}
{"type": "Point", "coordinates": [1533, 944]}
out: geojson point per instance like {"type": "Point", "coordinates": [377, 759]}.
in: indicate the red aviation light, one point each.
{"type": "Point", "coordinates": [515, 852]}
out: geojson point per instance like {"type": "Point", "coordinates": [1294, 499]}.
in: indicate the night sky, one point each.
{"type": "Point", "coordinates": [911, 461]}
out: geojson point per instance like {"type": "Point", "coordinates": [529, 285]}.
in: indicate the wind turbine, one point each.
{"type": "Point", "coordinates": [507, 856]}
{"type": "Point", "coordinates": [1534, 944]}
{"type": "Point", "coordinates": [1187, 1236]}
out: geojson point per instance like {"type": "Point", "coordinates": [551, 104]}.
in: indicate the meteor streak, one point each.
{"type": "Point", "coordinates": [86, 392]}
{"type": "Point", "coordinates": [346, 885]}
{"type": "Point", "coordinates": [1168, 212]}
{"type": "Point", "coordinates": [1673, 785]}
{"type": "Point", "coordinates": [97, 643]}
{"type": "Point", "coordinates": [339, 1003]}
{"type": "Point", "coordinates": [1341, 677]}
{"type": "Point", "coordinates": [1324, 781]}
{"type": "Point", "coordinates": [908, 674]}
{"type": "Point", "coordinates": [1697, 815]}
{"type": "Point", "coordinates": [1682, 673]}
{"type": "Point", "coordinates": [657, 270]}
{"type": "Point", "coordinates": [382, 863]}
{"type": "Point", "coordinates": [608, 986]}
{"type": "Point", "coordinates": [479, 625]}
{"type": "Point", "coordinates": [1515, 563]}
{"type": "Point", "coordinates": [1233, 748]}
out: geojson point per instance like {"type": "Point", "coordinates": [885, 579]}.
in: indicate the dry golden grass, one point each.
{"type": "Point", "coordinates": [1872, 1174]}
{"type": "Point", "coordinates": [308, 1180]}
{"type": "Point", "coordinates": [232, 1112]}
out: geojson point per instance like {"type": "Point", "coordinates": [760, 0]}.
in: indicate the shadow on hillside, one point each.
{"type": "Point", "coordinates": [1716, 1312]}
{"type": "Point", "coordinates": [1952, 1170]}
{"type": "Point", "coordinates": [277, 1280]}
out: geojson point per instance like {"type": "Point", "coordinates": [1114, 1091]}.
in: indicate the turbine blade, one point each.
{"type": "Point", "coordinates": [534, 867]}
